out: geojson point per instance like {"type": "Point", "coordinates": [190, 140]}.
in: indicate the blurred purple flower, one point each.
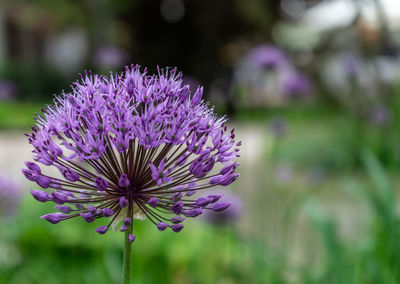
{"type": "Point", "coordinates": [8, 90]}
{"type": "Point", "coordinates": [229, 215]}
{"type": "Point", "coordinates": [267, 56]}
{"type": "Point", "coordinates": [351, 64]}
{"type": "Point", "coordinates": [278, 127]}
{"type": "Point", "coordinates": [284, 173]}
{"type": "Point", "coordinates": [10, 196]}
{"type": "Point", "coordinates": [296, 84]}
{"type": "Point", "coordinates": [380, 116]}
{"type": "Point", "coordinates": [131, 146]}
{"type": "Point", "coordinates": [111, 57]}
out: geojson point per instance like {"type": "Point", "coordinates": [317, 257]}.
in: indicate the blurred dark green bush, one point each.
{"type": "Point", "coordinates": [36, 83]}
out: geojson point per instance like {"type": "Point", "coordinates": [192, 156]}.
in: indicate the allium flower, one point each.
{"type": "Point", "coordinates": [131, 146]}
{"type": "Point", "coordinates": [10, 195]}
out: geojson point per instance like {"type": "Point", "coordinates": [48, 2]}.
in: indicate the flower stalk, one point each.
{"type": "Point", "coordinates": [127, 260]}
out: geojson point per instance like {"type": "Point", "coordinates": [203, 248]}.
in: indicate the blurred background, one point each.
{"type": "Point", "coordinates": [312, 89]}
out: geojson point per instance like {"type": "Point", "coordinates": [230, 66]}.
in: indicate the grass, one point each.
{"type": "Point", "coordinates": [17, 115]}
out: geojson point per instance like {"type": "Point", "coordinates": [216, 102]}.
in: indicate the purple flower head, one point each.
{"type": "Point", "coordinates": [221, 206]}
{"type": "Point", "coordinates": [267, 56]}
{"type": "Point", "coordinates": [107, 212]}
{"type": "Point", "coordinates": [58, 197]}
{"type": "Point", "coordinates": [88, 217]}
{"type": "Point", "coordinates": [131, 146]}
{"type": "Point", "coordinates": [203, 201]}
{"type": "Point", "coordinates": [43, 181]}
{"type": "Point", "coordinates": [53, 218]}
{"type": "Point", "coordinates": [123, 202]}
{"type": "Point", "coordinates": [34, 168]}
{"type": "Point", "coordinates": [153, 201]}
{"type": "Point", "coordinates": [124, 181]}
{"type": "Point", "coordinates": [131, 238]}
{"type": "Point", "coordinates": [63, 208]}
{"type": "Point", "coordinates": [177, 207]}
{"type": "Point", "coordinates": [193, 212]}
{"type": "Point", "coordinates": [102, 230]}
{"type": "Point", "coordinates": [159, 174]}
{"type": "Point", "coordinates": [10, 196]}
{"type": "Point", "coordinates": [69, 174]}
{"type": "Point", "coordinates": [177, 219]}
{"type": "Point", "coordinates": [177, 227]}
{"type": "Point", "coordinates": [40, 195]}
{"type": "Point", "coordinates": [29, 174]}
{"type": "Point", "coordinates": [101, 183]}
{"type": "Point", "coordinates": [127, 221]}
{"type": "Point", "coordinates": [162, 226]}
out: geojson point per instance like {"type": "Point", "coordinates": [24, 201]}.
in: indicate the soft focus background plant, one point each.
{"type": "Point", "coordinates": [312, 88]}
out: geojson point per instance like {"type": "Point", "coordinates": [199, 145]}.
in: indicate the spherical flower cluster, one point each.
{"type": "Point", "coordinates": [10, 196]}
{"type": "Point", "coordinates": [131, 146]}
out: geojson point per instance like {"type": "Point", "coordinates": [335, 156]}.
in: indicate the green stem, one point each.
{"type": "Point", "coordinates": [127, 260]}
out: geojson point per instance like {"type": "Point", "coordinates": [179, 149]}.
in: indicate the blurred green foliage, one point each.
{"type": "Point", "coordinates": [17, 115]}
{"type": "Point", "coordinates": [373, 257]}
{"type": "Point", "coordinates": [33, 251]}
{"type": "Point", "coordinates": [36, 83]}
